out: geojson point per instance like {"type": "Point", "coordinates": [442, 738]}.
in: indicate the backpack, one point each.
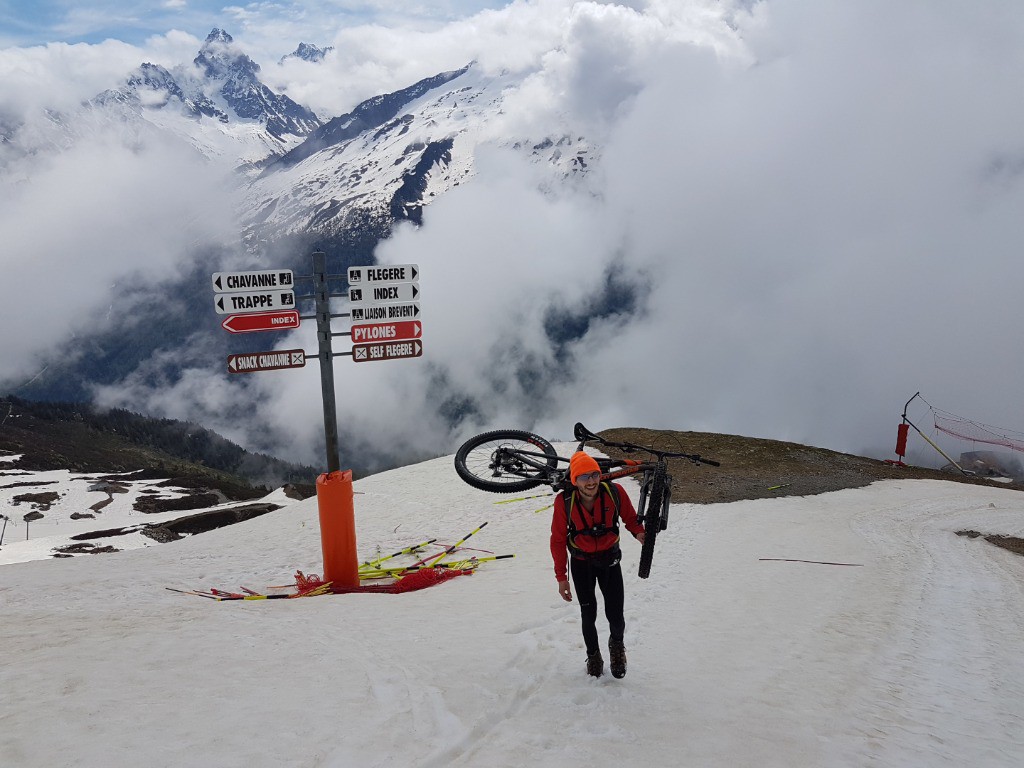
{"type": "Point", "coordinates": [604, 558]}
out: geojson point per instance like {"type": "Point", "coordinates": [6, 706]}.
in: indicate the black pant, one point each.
{"type": "Point", "coordinates": [584, 578]}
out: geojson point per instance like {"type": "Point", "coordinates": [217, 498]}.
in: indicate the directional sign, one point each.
{"type": "Point", "coordinates": [385, 273]}
{"type": "Point", "coordinates": [238, 303]}
{"type": "Point", "coordinates": [392, 350]}
{"type": "Point", "coordinates": [262, 321]}
{"type": "Point", "coordinates": [379, 293]}
{"type": "Point", "coordinates": [236, 282]}
{"type": "Point", "coordinates": [367, 312]}
{"type": "Point", "coordinates": [407, 329]}
{"type": "Point", "coordinates": [266, 361]}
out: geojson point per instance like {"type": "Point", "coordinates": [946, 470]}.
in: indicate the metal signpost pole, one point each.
{"type": "Point", "coordinates": [321, 295]}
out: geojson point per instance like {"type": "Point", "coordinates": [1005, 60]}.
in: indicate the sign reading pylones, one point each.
{"type": "Point", "coordinates": [409, 329]}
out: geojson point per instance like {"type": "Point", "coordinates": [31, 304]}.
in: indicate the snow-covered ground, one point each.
{"type": "Point", "coordinates": [909, 654]}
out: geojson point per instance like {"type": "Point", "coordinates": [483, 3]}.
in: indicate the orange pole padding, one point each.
{"type": "Point", "coordinates": [338, 528]}
{"type": "Point", "coordinates": [901, 440]}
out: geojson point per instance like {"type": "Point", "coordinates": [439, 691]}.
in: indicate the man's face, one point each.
{"type": "Point", "coordinates": [588, 484]}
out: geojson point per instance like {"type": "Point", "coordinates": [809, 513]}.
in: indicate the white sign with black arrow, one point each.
{"type": "Point", "coordinates": [264, 301]}
{"type": "Point", "coordinates": [382, 293]}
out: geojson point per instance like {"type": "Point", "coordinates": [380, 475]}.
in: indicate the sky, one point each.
{"type": "Point", "coordinates": [25, 23]}
{"type": "Point", "coordinates": [816, 204]}
{"type": "Point", "coordinates": [850, 628]}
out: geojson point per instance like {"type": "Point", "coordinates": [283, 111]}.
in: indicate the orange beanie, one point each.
{"type": "Point", "coordinates": [581, 464]}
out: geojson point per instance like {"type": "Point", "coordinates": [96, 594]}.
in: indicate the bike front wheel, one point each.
{"type": "Point", "coordinates": [506, 461]}
{"type": "Point", "coordinates": [657, 500]}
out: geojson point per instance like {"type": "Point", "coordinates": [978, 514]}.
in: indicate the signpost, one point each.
{"type": "Point", "coordinates": [263, 301]}
{"type": "Point", "coordinates": [262, 321]}
{"type": "Point", "coordinates": [393, 350]}
{"type": "Point", "coordinates": [266, 361]}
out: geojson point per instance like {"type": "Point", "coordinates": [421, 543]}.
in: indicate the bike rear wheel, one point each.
{"type": "Point", "coordinates": [481, 464]}
{"type": "Point", "coordinates": [657, 500]}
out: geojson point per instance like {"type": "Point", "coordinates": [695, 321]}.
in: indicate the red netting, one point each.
{"type": "Point", "coordinates": [966, 429]}
{"type": "Point", "coordinates": [421, 579]}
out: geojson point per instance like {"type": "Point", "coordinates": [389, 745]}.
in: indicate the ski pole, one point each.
{"type": "Point", "coordinates": [406, 551]}
{"type": "Point", "coordinates": [452, 548]}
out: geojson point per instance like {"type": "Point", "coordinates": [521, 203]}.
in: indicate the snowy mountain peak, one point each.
{"type": "Point", "coordinates": [308, 52]}
{"type": "Point", "coordinates": [220, 58]}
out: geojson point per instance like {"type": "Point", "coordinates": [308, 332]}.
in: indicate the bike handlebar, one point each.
{"type": "Point", "coordinates": [584, 435]}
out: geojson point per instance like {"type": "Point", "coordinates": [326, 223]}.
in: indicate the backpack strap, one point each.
{"type": "Point", "coordinates": [569, 500]}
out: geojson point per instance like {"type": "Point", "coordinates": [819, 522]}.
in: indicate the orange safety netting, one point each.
{"type": "Point", "coordinates": [419, 579]}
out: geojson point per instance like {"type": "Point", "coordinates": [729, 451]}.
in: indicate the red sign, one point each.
{"type": "Point", "coordinates": [281, 320]}
{"type": "Point", "coordinates": [266, 361]}
{"type": "Point", "coordinates": [408, 329]}
{"type": "Point", "coordinates": [392, 350]}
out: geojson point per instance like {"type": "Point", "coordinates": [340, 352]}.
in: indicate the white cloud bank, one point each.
{"type": "Point", "coordinates": [816, 204]}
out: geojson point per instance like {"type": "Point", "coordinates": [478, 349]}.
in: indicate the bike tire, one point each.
{"type": "Point", "coordinates": [474, 461]}
{"type": "Point", "coordinates": [652, 521]}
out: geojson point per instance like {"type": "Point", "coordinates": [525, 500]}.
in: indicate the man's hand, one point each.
{"type": "Point", "coordinates": [565, 591]}
{"type": "Point", "coordinates": [640, 536]}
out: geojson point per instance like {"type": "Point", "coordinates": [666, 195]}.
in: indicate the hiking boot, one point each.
{"type": "Point", "coordinates": [595, 664]}
{"type": "Point", "coordinates": [617, 652]}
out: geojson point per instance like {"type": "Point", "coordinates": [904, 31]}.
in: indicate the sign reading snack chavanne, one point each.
{"type": "Point", "coordinates": [388, 273]}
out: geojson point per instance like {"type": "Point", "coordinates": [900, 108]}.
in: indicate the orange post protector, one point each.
{"type": "Point", "coordinates": [338, 528]}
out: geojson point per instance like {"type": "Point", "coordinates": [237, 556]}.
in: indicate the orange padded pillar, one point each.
{"type": "Point", "coordinates": [338, 528]}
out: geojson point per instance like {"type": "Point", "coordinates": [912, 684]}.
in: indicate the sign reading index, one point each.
{"type": "Point", "coordinates": [264, 279]}
{"type": "Point", "coordinates": [385, 273]}
{"type": "Point", "coordinates": [382, 293]}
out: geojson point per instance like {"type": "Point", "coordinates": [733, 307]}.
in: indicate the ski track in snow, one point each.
{"type": "Point", "coordinates": [914, 658]}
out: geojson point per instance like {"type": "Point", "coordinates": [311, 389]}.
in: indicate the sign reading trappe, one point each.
{"type": "Point", "coordinates": [237, 303]}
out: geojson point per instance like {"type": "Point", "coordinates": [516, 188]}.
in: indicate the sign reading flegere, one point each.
{"type": "Point", "coordinates": [235, 282]}
{"type": "Point", "coordinates": [266, 361]}
{"type": "Point", "coordinates": [385, 273]}
{"type": "Point", "coordinates": [239, 303]}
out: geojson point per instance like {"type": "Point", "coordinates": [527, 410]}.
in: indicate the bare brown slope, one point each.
{"type": "Point", "coordinates": [755, 468]}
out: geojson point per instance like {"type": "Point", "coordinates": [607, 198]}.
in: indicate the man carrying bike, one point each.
{"type": "Point", "coordinates": [585, 537]}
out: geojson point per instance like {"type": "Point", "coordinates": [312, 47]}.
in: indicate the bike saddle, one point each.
{"type": "Point", "coordinates": [582, 433]}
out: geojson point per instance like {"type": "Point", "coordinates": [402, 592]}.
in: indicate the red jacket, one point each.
{"type": "Point", "coordinates": [603, 512]}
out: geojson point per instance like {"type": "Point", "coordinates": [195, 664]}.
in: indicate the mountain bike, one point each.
{"type": "Point", "coordinates": [512, 460]}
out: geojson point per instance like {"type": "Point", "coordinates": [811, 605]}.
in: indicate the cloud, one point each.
{"type": "Point", "coordinates": [802, 214]}
{"type": "Point", "coordinates": [816, 218]}
{"type": "Point", "coordinates": [103, 213]}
